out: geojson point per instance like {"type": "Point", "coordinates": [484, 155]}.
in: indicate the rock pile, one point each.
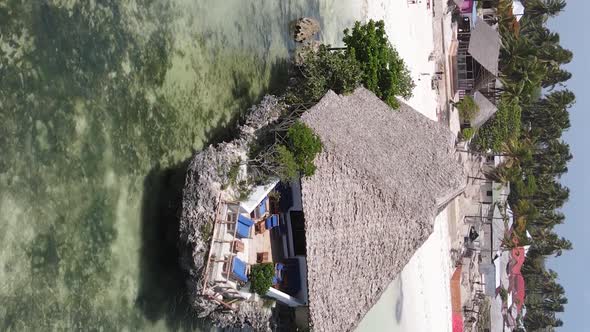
{"type": "Point", "coordinates": [305, 29]}
{"type": "Point", "coordinates": [206, 175]}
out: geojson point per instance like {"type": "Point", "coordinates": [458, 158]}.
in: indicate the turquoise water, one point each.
{"type": "Point", "coordinates": [100, 103]}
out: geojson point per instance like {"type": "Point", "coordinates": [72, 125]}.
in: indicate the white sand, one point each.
{"type": "Point", "coordinates": [419, 299]}
{"type": "Point", "coordinates": [409, 28]}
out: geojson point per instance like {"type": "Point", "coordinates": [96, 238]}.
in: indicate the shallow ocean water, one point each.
{"type": "Point", "coordinates": [100, 103]}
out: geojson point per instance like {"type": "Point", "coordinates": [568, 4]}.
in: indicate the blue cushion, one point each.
{"type": "Point", "coordinates": [272, 221]}
{"type": "Point", "coordinates": [243, 226]}
{"type": "Point", "coordinates": [239, 269]}
{"type": "Point", "coordinates": [262, 207]}
{"type": "Point", "coordinates": [245, 220]}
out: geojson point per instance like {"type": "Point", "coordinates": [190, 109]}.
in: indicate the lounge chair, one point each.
{"type": "Point", "coordinates": [239, 269]}
{"type": "Point", "coordinates": [244, 226]}
{"type": "Point", "coordinates": [272, 221]}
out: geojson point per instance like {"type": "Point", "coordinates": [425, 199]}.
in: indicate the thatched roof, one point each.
{"type": "Point", "coordinates": [381, 179]}
{"type": "Point", "coordinates": [484, 46]}
{"type": "Point", "coordinates": [486, 109]}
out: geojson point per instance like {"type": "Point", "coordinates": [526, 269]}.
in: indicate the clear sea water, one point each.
{"type": "Point", "coordinates": [100, 103]}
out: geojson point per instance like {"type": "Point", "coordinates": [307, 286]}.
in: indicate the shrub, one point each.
{"type": "Point", "coordinates": [305, 145]}
{"type": "Point", "coordinates": [468, 109]}
{"type": "Point", "coordinates": [384, 72]}
{"type": "Point", "coordinates": [322, 71]}
{"type": "Point", "coordinates": [467, 133]}
{"type": "Point", "coordinates": [286, 166]}
{"type": "Point", "coordinates": [504, 126]}
{"type": "Point", "coordinates": [261, 277]}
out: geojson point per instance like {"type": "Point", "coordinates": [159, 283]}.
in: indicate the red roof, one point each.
{"type": "Point", "coordinates": [517, 260]}
{"type": "Point", "coordinates": [518, 290]}
{"type": "Point", "coordinates": [456, 300]}
{"type": "Point", "coordinates": [457, 322]}
{"type": "Point", "coordinates": [517, 285]}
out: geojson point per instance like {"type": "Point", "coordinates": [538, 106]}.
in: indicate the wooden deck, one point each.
{"type": "Point", "coordinates": [259, 243]}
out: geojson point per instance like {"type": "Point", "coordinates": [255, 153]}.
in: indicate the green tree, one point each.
{"type": "Point", "coordinates": [288, 158]}
{"type": "Point", "coordinates": [304, 144]}
{"type": "Point", "coordinates": [554, 77]}
{"type": "Point", "coordinates": [384, 72]}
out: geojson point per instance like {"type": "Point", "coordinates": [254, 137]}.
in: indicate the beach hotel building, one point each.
{"type": "Point", "coordinates": [474, 54]}
{"type": "Point", "coordinates": [346, 232]}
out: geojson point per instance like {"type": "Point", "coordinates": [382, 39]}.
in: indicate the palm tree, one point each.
{"type": "Point", "coordinates": [554, 77]}
{"type": "Point", "coordinates": [517, 152]}
{"type": "Point", "coordinates": [537, 8]}
{"type": "Point", "coordinates": [503, 174]}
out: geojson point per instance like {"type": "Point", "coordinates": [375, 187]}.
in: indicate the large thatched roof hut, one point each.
{"type": "Point", "coordinates": [381, 179]}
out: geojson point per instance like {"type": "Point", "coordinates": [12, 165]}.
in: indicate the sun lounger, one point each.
{"type": "Point", "coordinates": [244, 226]}
{"type": "Point", "coordinates": [239, 269]}
{"type": "Point", "coordinates": [272, 221]}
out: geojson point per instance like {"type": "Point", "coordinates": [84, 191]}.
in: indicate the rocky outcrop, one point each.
{"type": "Point", "coordinates": [305, 29]}
{"type": "Point", "coordinates": [206, 175]}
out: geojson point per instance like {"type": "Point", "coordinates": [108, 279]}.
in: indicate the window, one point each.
{"type": "Point", "coordinates": [490, 159]}
{"type": "Point", "coordinates": [489, 193]}
{"type": "Point", "coordinates": [232, 218]}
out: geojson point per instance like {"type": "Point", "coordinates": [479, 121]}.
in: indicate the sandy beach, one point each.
{"type": "Point", "coordinates": [419, 298]}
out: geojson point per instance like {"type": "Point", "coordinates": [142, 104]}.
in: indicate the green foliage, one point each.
{"type": "Point", "coordinates": [275, 195]}
{"type": "Point", "coordinates": [504, 126]}
{"type": "Point", "coordinates": [261, 277]}
{"type": "Point", "coordinates": [286, 166]}
{"type": "Point", "coordinates": [322, 71]}
{"type": "Point", "coordinates": [384, 72]}
{"type": "Point", "coordinates": [305, 145]}
{"type": "Point", "coordinates": [467, 133]}
{"type": "Point", "coordinates": [468, 109]}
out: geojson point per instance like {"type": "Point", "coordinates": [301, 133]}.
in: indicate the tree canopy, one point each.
{"type": "Point", "coordinates": [384, 71]}
{"type": "Point", "coordinates": [533, 114]}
